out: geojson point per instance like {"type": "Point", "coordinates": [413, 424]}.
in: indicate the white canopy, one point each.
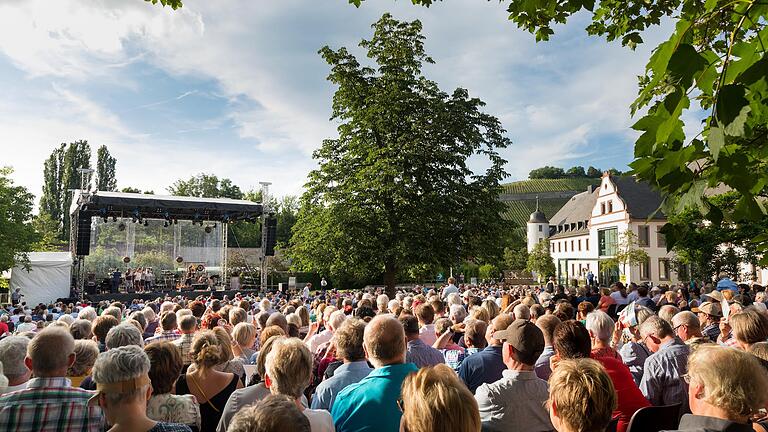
{"type": "Point", "coordinates": [47, 280]}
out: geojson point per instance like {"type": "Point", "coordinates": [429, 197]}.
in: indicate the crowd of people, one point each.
{"type": "Point", "coordinates": [452, 358]}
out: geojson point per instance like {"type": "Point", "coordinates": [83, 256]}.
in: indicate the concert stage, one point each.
{"type": "Point", "coordinates": [127, 298]}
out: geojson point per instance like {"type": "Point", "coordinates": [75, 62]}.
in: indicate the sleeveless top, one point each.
{"type": "Point", "coordinates": [208, 415]}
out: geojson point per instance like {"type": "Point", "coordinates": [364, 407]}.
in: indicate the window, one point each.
{"type": "Point", "coordinates": [541, 228]}
{"type": "Point", "coordinates": [644, 236]}
{"type": "Point", "coordinates": [579, 245]}
{"type": "Point", "coordinates": [553, 248]}
{"type": "Point", "coordinates": [602, 208]}
{"type": "Point", "coordinates": [572, 248]}
{"type": "Point", "coordinates": [661, 239]}
{"type": "Point", "coordinates": [573, 269]}
{"type": "Point", "coordinates": [565, 246]}
{"type": "Point", "coordinates": [607, 240]}
{"type": "Point", "coordinates": [587, 245]}
{"type": "Point", "coordinates": [645, 270]}
{"type": "Point", "coordinates": [558, 247]}
{"type": "Point", "coordinates": [664, 269]}
{"type": "Point", "coordinates": [610, 206]}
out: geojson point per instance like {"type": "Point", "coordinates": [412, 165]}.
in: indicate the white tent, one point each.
{"type": "Point", "coordinates": [47, 280]}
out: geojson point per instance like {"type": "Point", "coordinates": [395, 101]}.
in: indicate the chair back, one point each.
{"type": "Point", "coordinates": [655, 418]}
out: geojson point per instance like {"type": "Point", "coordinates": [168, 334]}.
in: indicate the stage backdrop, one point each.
{"type": "Point", "coordinates": [47, 280]}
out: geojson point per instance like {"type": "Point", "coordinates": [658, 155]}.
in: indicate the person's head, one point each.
{"type": "Point", "coordinates": [270, 331]}
{"type": "Point", "coordinates": [522, 311]}
{"type": "Point", "coordinates": [13, 351]}
{"type": "Point", "coordinates": [709, 313]}
{"type": "Point", "coordinates": [581, 396]}
{"type": "Point", "coordinates": [457, 313]}
{"type": "Point", "coordinates": [686, 325]}
{"type": "Point", "coordinates": [655, 332]}
{"type": "Point", "coordinates": [600, 326]}
{"type": "Point", "coordinates": [165, 366]}
{"type": "Point", "coordinates": [288, 367]}
{"type": "Point", "coordinates": [275, 413]}
{"type": "Point", "coordinates": [382, 303]}
{"type": "Point", "coordinates": [474, 333]}
{"type": "Point", "coordinates": [266, 347]}
{"type": "Point", "coordinates": [139, 317]}
{"type": "Point", "coordinates": [336, 319]}
{"type": "Point", "coordinates": [666, 312]}
{"type": "Point", "coordinates": [749, 327]}
{"type": "Point", "coordinates": [537, 311]}
{"type": "Point", "coordinates": [499, 323]}
{"type": "Point", "coordinates": [584, 309]}
{"type": "Point", "coordinates": [88, 313]}
{"type": "Point", "coordinates": [44, 361]}
{"type": "Point", "coordinates": [410, 326]}
{"type": "Point", "coordinates": [571, 340]}
{"type": "Point", "coordinates": [102, 325]}
{"type": "Point", "coordinates": [237, 315]}
{"type": "Point", "coordinates": [547, 324]}
{"type": "Point", "coordinates": [86, 352]}
{"type": "Point", "coordinates": [168, 320]}
{"type": "Point", "coordinates": [278, 319]}
{"type": "Point", "coordinates": [206, 351]}
{"type": "Point", "coordinates": [425, 314]}
{"type": "Point", "coordinates": [244, 334]}
{"type": "Point", "coordinates": [81, 329]}
{"type": "Point", "coordinates": [384, 341]}
{"type": "Point", "coordinates": [434, 399]}
{"type": "Point", "coordinates": [225, 342]}
{"type": "Point", "coordinates": [523, 344]}
{"type": "Point", "coordinates": [123, 335]}
{"type": "Point", "coordinates": [492, 308]}
{"type": "Point", "coordinates": [442, 325]}
{"type": "Point", "coordinates": [726, 381]}
{"type": "Point", "coordinates": [188, 324]}
{"type": "Point", "coordinates": [121, 377]}
{"type": "Point", "coordinates": [349, 340]}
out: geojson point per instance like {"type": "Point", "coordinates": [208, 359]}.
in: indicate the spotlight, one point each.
{"type": "Point", "coordinates": [121, 227]}
{"type": "Point", "coordinates": [165, 224]}
{"type": "Point", "coordinates": [208, 229]}
{"type": "Point", "coordinates": [114, 218]}
{"type": "Point", "coordinates": [146, 222]}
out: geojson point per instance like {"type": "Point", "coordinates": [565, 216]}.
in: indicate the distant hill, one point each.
{"type": "Point", "coordinates": [520, 197]}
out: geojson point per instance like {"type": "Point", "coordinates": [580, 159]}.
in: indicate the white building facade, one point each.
{"type": "Point", "coordinates": [587, 230]}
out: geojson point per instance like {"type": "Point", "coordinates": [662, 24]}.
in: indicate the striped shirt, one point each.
{"type": "Point", "coordinates": [48, 405]}
{"type": "Point", "coordinates": [166, 335]}
{"type": "Point", "coordinates": [184, 342]}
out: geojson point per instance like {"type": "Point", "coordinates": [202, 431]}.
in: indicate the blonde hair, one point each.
{"type": "Point", "coordinates": [480, 313]}
{"type": "Point", "coordinates": [206, 351]}
{"type": "Point", "coordinates": [492, 308]}
{"type": "Point", "coordinates": [740, 389]}
{"type": "Point", "coordinates": [749, 326]}
{"type": "Point", "coordinates": [289, 367]}
{"type": "Point", "coordinates": [435, 399]}
{"type": "Point", "coordinates": [86, 352]}
{"type": "Point", "coordinates": [225, 342]}
{"type": "Point", "coordinates": [581, 394]}
{"type": "Point", "coordinates": [243, 333]}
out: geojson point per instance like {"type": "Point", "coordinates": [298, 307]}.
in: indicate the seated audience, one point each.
{"type": "Point", "coordinates": [663, 370]}
{"type": "Point", "coordinates": [419, 353]}
{"type": "Point", "coordinates": [601, 327]}
{"type": "Point", "coordinates": [581, 396]}
{"type": "Point", "coordinates": [276, 413]}
{"type": "Point", "coordinates": [50, 402]}
{"type": "Point", "coordinates": [123, 388]}
{"type": "Point", "coordinates": [168, 325]}
{"type": "Point", "coordinates": [547, 324]}
{"type": "Point", "coordinates": [453, 354]}
{"type": "Point", "coordinates": [516, 401]}
{"type": "Point", "coordinates": [13, 351]}
{"type": "Point", "coordinates": [164, 405]}
{"type": "Point", "coordinates": [487, 365]}
{"type": "Point", "coordinates": [86, 352]}
{"type": "Point", "coordinates": [434, 399]}
{"type": "Point", "coordinates": [687, 327]}
{"type": "Point", "coordinates": [371, 404]}
{"type": "Point", "coordinates": [749, 327]}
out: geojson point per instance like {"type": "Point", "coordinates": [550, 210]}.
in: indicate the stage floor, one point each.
{"type": "Point", "coordinates": [129, 297]}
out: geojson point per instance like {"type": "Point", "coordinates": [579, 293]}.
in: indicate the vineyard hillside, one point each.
{"type": "Point", "coordinates": [520, 197]}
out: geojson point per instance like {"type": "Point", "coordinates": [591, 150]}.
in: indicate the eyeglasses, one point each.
{"type": "Point", "coordinates": [678, 326]}
{"type": "Point", "coordinates": [686, 378]}
{"type": "Point", "coordinates": [400, 405]}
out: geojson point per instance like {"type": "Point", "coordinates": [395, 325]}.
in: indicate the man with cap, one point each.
{"type": "Point", "coordinates": [486, 366]}
{"type": "Point", "coordinates": [516, 401]}
{"type": "Point", "coordinates": [709, 314]}
{"type": "Point", "coordinates": [50, 403]}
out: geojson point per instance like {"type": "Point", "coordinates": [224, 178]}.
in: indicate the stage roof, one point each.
{"type": "Point", "coordinates": [119, 204]}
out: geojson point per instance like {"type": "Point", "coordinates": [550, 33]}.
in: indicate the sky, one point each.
{"type": "Point", "coordinates": [237, 89]}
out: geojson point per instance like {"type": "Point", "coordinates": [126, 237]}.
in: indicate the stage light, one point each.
{"type": "Point", "coordinates": [114, 218]}
{"type": "Point", "coordinates": [133, 219]}
{"type": "Point", "coordinates": [146, 222]}
{"type": "Point", "coordinates": [121, 227]}
{"type": "Point", "coordinates": [165, 224]}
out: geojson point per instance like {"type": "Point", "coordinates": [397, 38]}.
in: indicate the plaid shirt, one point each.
{"type": "Point", "coordinates": [166, 335]}
{"type": "Point", "coordinates": [728, 341]}
{"type": "Point", "coordinates": [48, 405]}
{"type": "Point", "coordinates": [184, 342]}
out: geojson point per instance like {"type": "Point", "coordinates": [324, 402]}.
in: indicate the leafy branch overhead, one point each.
{"type": "Point", "coordinates": [714, 59]}
{"type": "Point", "coordinates": [174, 4]}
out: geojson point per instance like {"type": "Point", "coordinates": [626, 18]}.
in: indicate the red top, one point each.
{"type": "Point", "coordinates": [3, 328]}
{"type": "Point", "coordinates": [630, 399]}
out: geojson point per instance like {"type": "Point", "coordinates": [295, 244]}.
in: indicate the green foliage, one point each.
{"type": "Point", "coordinates": [716, 56]}
{"type": "Point", "coordinates": [47, 231]}
{"type": "Point", "coordinates": [549, 185]}
{"type": "Point", "coordinates": [206, 186]}
{"type": "Point", "coordinates": [17, 235]}
{"type": "Point", "coordinates": [396, 180]}
{"type": "Point", "coordinates": [593, 172]}
{"type": "Point", "coordinates": [60, 175]}
{"type": "Point", "coordinates": [101, 260]}
{"type": "Point", "coordinates": [627, 253]}
{"type": "Point", "coordinates": [488, 271]}
{"type": "Point", "coordinates": [516, 257]}
{"type": "Point", "coordinates": [105, 170]}
{"type": "Point", "coordinates": [577, 171]}
{"type": "Point", "coordinates": [174, 4]}
{"type": "Point", "coordinates": [547, 172]}
{"type": "Point", "coordinates": [156, 259]}
{"type": "Point", "coordinates": [129, 189]}
{"type": "Point", "coordinates": [540, 261]}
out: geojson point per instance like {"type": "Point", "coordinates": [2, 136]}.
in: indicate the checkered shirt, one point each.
{"type": "Point", "coordinates": [48, 405]}
{"type": "Point", "coordinates": [169, 336]}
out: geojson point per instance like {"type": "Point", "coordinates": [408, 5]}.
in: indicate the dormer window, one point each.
{"type": "Point", "coordinates": [610, 206]}
{"type": "Point", "coordinates": [602, 208]}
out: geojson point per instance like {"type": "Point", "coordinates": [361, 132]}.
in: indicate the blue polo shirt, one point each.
{"type": "Point", "coordinates": [371, 404]}
{"type": "Point", "coordinates": [485, 367]}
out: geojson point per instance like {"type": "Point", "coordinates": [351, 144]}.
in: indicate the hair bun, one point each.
{"type": "Point", "coordinates": [209, 355]}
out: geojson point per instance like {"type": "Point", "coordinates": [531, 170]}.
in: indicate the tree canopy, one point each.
{"type": "Point", "coordinates": [106, 179]}
{"type": "Point", "coordinates": [394, 190]}
{"type": "Point", "coordinates": [206, 186]}
{"type": "Point", "coordinates": [60, 177]}
{"type": "Point", "coordinates": [17, 234]}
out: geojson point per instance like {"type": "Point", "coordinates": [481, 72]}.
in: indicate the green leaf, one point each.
{"type": "Point", "coordinates": [685, 64]}
{"type": "Point", "coordinates": [730, 109]}
{"type": "Point", "coordinates": [672, 127]}
{"type": "Point", "coordinates": [710, 5]}
{"type": "Point", "coordinates": [716, 141]}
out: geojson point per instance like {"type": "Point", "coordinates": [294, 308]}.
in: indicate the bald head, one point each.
{"type": "Point", "coordinates": [51, 352]}
{"type": "Point", "coordinates": [384, 340]}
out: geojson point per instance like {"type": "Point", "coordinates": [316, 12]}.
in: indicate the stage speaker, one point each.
{"type": "Point", "coordinates": [271, 237]}
{"type": "Point", "coordinates": [83, 241]}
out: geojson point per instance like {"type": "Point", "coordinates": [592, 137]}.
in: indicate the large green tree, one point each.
{"type": "Point", "coordinates": [714, 59]}
{"type": "Point", "coordinates": [540, 261]}
{"type": "Point", "coordinates": [53, 181]}
{"type": "Point", "coordinates": [394, 189]}
{"type": "Point", "coordinates": [206, 186]}
{"type": "Point", "coordinates": [60, 177]}
{"type": "Point", "coordinates": [105, 170]}
{"type": "Point", "coordinates": [17, 235]}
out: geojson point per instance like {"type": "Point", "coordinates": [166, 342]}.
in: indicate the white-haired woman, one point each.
{"type": "Point", "coordinates": [601, 328]}
{"type": "Point", "coordinates": [123, 388]}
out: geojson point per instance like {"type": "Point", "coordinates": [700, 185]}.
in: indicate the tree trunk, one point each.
{"type": "Point", "coordinates": [389, 279]}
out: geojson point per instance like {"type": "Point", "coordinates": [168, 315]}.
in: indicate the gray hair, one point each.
{"type": "Point", "coordinates": [382, 301]}
{"type": "Point", "coordinates": [149, 314]}
{"type": "Point", "coordinates": [121, 364]}
{"type": "Point", "coordinates": [393, 304]}
{"type": "Point", "coordinates": [522, 311]}
{"type": "Point", "coordinates": [13, 350]}
{"type": "Point", "coordinates": [289, 367]}
{"type": "Point", "coordinates": [88, 313]}
{"type": "Point", "coordinates": [656, 326]}
{"type": "Point", "coordinates": [666, 312]}
{"type": "Point", "coordinates": [337, 319]}
{"type": "Point", "coordinates": [294, 319]}
{"type": "Point", "coordinates": [114, 311]}
{"type": "Point", "coordinates": [600, 325]}
{"type": "Point", "coordinates": [454, 299]}
{"type": "Point", "coordinates": [81, 329]}
{"type": "Point", "coordinates": [66, 319]}
{"type": "Point", "coordinates": [123, 335]}
{"type": "Point", "coordinates": [86, 352]}
{"type": "Point", "coordinates": [458, 312]}
{"type": "Point", "coordinates": [167, 307]}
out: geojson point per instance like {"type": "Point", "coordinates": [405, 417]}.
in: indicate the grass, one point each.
{"type": "Point", "coordinates": [549, 185]}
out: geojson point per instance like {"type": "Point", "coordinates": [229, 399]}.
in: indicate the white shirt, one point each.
{"type": "Point", "coordinates": [306, 292]}
{"type": "Point", "coordinates": [449, 290]}
{"type": "Point", "coordinates": [320, 420]}
{"type": "Point", "coordinates": [10, 388]}
{"type": "Point", "coordinates": [315, 341]}
{"type": "Point", "coordinates": [427, 334]}
{"type": "Point", "coordinates": [616, 295]}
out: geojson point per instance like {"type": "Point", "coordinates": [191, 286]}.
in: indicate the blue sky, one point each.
{"type": "Point", "coordinates": [236, 88]}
